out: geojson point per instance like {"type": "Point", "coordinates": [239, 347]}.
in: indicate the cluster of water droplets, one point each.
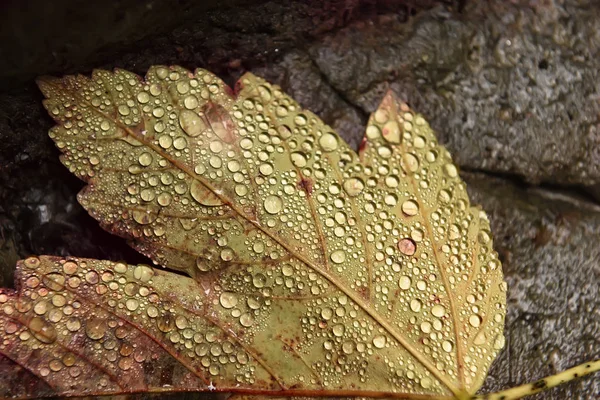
{"type": "Point", "coordinates": [435, 271]}
{"type": "Point", "coordinates": [265, 194]}
{"type": "Point", "coordinates": [97, 317]}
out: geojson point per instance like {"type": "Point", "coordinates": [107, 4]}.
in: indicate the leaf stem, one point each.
{"type": "Point", "coordinates": [544, 383]}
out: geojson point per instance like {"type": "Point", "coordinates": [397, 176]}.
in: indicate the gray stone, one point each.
{"type": "Point", "coordinates": [511, 87]}
{"type": "Point", "coordinates": [548, 245]}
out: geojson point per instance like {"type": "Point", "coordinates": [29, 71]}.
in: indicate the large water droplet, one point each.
{"type": "Point", "coordinates": [328, 142]}
{"type": "Point", "coordinates": [143, 273]}
{"type": "Point", "coordinates": [246, 320]}
{"type": "Point", "coordinates": [338, 330]}
{"type": "Point", "coordinates": [438, 311]}
{"type": "Point", "coordinates": [391, 131]}
{"type": "Point", "coordinates": [450, 170]}
{"type": "Point", "coordinates": [410, 208]}
{"type": "Point", "coordinates": [404, 282]}
{"type": "Point", "coordinates": [298, 159]}
{"type": "Point", "coordinates": [203, 195]}
{"type": "Point", "coordinates": [191, 123]}
{"type": "Point", "coordinates": [379, 341]}
{"type": "Point", "coordinates": [410, 162]}
{"type": "Point", "coordinates": [145, 159]}
{"type": "Point", "coordinates": [220, 122]}
{"type": "Point", "coordinates": [407, 246]}
{"type": "Point", "coordinates": [273, 204]}
{"type": "Point", "coordinates": [416, 305]}
{"type": "Point", "coordinates": [95, 328]}
{"type": "Point", "coordinates": [338, 256]}
{"type": "Point", "coordinates": [228, 300]}
{"type": "Point", "coordinates": [499, 342]}
{"type": "Point", "coordinates": [41, 330]}
{"type": "Point", "coordinates": [475, 320]}
{"type": "Point", "coordinates": [353, 186]}
{"type": "Point", "coordinates": [144, 217]}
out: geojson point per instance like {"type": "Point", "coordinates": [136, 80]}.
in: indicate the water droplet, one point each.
{"type": "Point", "coordinates": [328, 142]}
{"type": "Point", "coordinates": [410, 208]}
{"type": "Point", "coordinates": [228, 300]}
{"type": "Point", "coordinates": [143, 273]}
{"type": "Point", "coordinates": [123, 110]}
{"type": "Point", "coordinates": [190, 102]}
{"type": "Point", "coordinates": [379, 341]}
{"type": "Point", "coordinates": [407, 246]}
{"type": "Point", "coordinates": [254, 302]}
{"type": "Point", "coordinates": [259, 280]}
{"type": "Point", "coordinates": [246, 320]}
{"type": "Point", "coordinates": [70, 267]}
{"type": "Point", "coordinates": [95, 328]}
{"type": "Point", "coordinates": [264, 92]}
{"type": "Point", "coordinates": [132, 304]}
{"type": "Point", "coordinates": [227, 254]}
{"type": "Point", "coordinates": [191, 123]}
{"type": "Point", "coordinates": [404, 282]}
{"type": "Point", "coordinates": [41, 330]}
{"type": "Point", "coordinates": [415, 305]}
{"type": "Point", "coordinates": [273, 204]}
{"type": "Point", "coordinates": [438, 311]}
{"type": "Point", "coordinates": [391, 131]}
{"type": "Point", "coordinates": [143, 97]}
{"type": "Point", "coordinates": [266, 169]}
{"type": "Point", "coordinates": [475, 320]}
{"type": "Point", "coordinates": [298, 159]}
{"type": "Point", "coordinates": [480, 338]}
{"type": "Point", "coordinates": [203, 195]}
{"type": "Point", "coordinates": [348, 347]}
{"type": "Point", "coordinates": [143, 217]}
{"type": "Point", "coordinates": [417, 234]}
{"type": "Point", "coordinates": [327, 313]}
{"type": "Point", "coordinates": [32, 262]}
{"type": "Point", "coordinates": [120, 268]}
{"type": "Point", "coordinates": [373, 132]}
{"type": "Point", "coordinates": [499, 342]}
{"type": "Point", "coordinates": [166, 323]}
{"type": "Point", "coordinates": [220, 122]}
{"type": "Point", "coordinates": [54, 281]}
{"type": "Point", "coordinates": [145, 159]}
{"type": "Point", "coordinates": [484, 237]}
{"type": "Point", "coordinates": [447, 346]}
{"type": "Point", "coordinates": [426, 383]}
{"type": "Point", "coordinates": [338, 330]}
{"type": "Point", "coordinates": [40, 307]}
{"type": "Point", "coordinates": [353, 186]}
{"type": "Point", "coordinates": [338, 256]}
{"type": "Point", "coordinates": [451, 170]}
{"type": "Point", "coordinates": [419, 142]}
{"type": "Point", "coordinates": [410, 162]}
{"type": "Point", "coordinates": [300, 120]}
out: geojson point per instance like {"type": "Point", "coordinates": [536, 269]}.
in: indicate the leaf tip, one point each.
{"type": "Point", "coordinates": [44, 83]}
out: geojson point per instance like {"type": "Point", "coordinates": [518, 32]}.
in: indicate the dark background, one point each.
{"type": "Point", "coordinates": [511, 87]}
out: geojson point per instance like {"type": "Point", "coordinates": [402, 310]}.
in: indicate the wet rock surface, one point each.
{"type": "Point", "coordinates": [510, 87]}
{"type": "Point", "coordinates": [548, 245]}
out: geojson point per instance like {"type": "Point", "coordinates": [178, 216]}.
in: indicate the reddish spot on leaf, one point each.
{"type": "Point", "coordinates": [220, 122]}
{"type": "Point", "coordinates": [306, 185]}
{"type": "Point", "coordinates": [362, 147]}
{"type": "Point", "coordinates": [407, 246]}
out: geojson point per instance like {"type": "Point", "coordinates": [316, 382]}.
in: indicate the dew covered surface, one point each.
{"type": "Point", "coordinates": [510, 89]}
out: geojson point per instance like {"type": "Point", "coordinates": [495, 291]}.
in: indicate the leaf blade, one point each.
{"type": "Point", "coordinates": [283, 199]}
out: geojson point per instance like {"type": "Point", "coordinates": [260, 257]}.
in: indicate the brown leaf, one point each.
{"type": "Point", "coordinates": [332, 273]}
